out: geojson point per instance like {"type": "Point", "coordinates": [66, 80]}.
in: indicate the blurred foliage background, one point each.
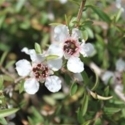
{"type": "Point", "coordinates": [24, 22]}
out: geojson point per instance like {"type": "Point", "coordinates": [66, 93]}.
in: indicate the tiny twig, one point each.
{"type": "Point", "coordinates": [79, 15]}
{"type": "Point", "coordinates": [6, 72]}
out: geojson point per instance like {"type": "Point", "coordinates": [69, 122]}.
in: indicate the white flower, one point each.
{"type": "Point", "coordinates": [70, 47]}
{"type": "Point", "coordinates": [39, 70]}
{"type": "Point", "coordinates": [63, 1]}
{"type": "Point", "coordinates": [120, 65]}
{"type": "Point", "coordinates": [106, 76]}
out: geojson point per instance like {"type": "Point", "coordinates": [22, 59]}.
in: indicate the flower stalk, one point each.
{"type": "Point", "coordinates": [79, 15]}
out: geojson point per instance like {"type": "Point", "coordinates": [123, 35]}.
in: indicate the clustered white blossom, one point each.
{"type": "Point", "coordinates": [67, 47]}
{"type": "Point", "coordinates": [116, 77]}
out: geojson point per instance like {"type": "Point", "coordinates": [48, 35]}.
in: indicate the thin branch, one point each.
{"type": "Point", "coordinates": [79, 15]}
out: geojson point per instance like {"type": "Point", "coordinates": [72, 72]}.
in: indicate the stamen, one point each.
{"type": "Point", "coordinates": [70, 47]}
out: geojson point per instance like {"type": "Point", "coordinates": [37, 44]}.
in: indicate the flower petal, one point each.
{"type": "Point", "coordinates": [55, 49]}
{"type": "Point", "coordinates": [76, 33]}
{"type": "Point", "coordinates": [33, 55]}
{"type": "Point", "coordinates": [106, 76]}
{"type": "Point", "coordinates": [120, 65]}
{"type": "Point", "coordinates": [75, 65]}
{"type": "Point", "coordinates": [23, 67]}
{"type": "Point", "coordinates": [53, 83]}
{"type": "Point", "coordinates": [61, 32]}
{"type": "Point", "coordinates": [87, 49]}
{"type": "Point", "coordinates": [78, 77]}
{"type": "Point", "coordinates": [55, 64]}
{"type": "Point", "coordinates": [31, 86]}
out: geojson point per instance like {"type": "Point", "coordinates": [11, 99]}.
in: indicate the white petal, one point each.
{"type": "Point", "coordinates": [87, 49]}
{"type": "Point", "coordinates": [120, 65]}
{"type": "Point", "coordinates": [76, 33]}
{"type": "Point", "coordinates": [33, 55]}
{"type": "Point", "coordinates": [23, 67]}
{"type": "Point", "coordinates": [55, 64]}
{"type": "Point", "coordinates": [25, 50]}
{"type": "Point", "coordinates": [63, 1]}
{"type": "Point", "coordinates": [31, 86]}
{"type": "Point", "coordinates": [53, 83]}
{"type": "Point", "coordinates": [55, 49]}
{"type": "Point", "coordinates": [78, 77]}
{"type": "Point", "coordinates": [106, 76]}
{"type": "Point", "coordinates": [61, 33]}
{"type": "Point", "coordinates": [119, 87]}
{"type": "Point", "coordinates": [75, 65]}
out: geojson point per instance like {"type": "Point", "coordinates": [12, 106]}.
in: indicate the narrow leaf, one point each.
{"type": "Point", "coordinates": [10, 64]}
{"type": "Point", "coordinates": [1, 82]}
{"type": "Point", "coordinates": [3, 121]}
{"type": "Point", "coordinates": [73, 89]}
{"type": "Point", "coordinates": [85, 104]}
{"type": "Point", "coordinates": [96, 82]}
{"type": "Point", "coordinates": [100, 13]}
{"type": "Point", "coordinates": [50, 57]}
{"type": "Point", "coordinates": [3, 57]}
{"type": "Point", "coordinates": [7, 112]}
{"type": "Point", "coordinates": [38, 48]}
{"type": "Point", "coordinates": [96, 96]}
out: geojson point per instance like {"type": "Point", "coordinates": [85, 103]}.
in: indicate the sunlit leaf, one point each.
{"type": "Point", "coordinates": [7, 112]}
{"type": "Point", "coordinates": [38, 48]}
{"type": "Point", "coordinates": [96, 96]}
{"type": "Point", "coordinates": [73, 89]}
{"type": "Point", "coordinates": [111, 110]}
{"type": "Point", "coordinates": [3, 121]}
{"type": "Point", "coordinates": [50, 57]}
{"type": "Point", "coordinates": [19, 5]}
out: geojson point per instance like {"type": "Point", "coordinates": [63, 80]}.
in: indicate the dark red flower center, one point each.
{"type": "Point", "coordinates": [70, 47]}
{"type": "Point", "coordinates": [40, 71]}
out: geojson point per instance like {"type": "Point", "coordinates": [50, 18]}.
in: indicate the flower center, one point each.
{"type": "Point", "coordinates": [40, 71]}
{"type": "Point", "coordinates": [70, 47]}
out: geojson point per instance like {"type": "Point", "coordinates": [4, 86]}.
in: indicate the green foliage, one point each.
{"type": "Point", "coordinates": [30, 23]}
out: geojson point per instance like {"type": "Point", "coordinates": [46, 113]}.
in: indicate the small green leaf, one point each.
{"type": "Point", "coordinates": [87, 122]}
{"type": "Point", "coordinates": [19, 5]}
{"type": "Point", "coordinates": [106, 90]}
{"type": "Point", "coordinates": [85, 77]}
{"type": "Point", "coordinates": [7, 78]}
{"type": "Point", "coordinates": [118, 15]}
{"type": "Point", "coordinates": [58, 95]}
{"type": "Point", "coordinates": [96, 82]}
{"type": "Point", "coordinates": [96, 96]}
{"type": "Point", "coordinates": [85, 104]}
{"type": "Point", "coordinates": [49, 100]}
{"type": "Point", "coordinates": [51, 57]}
{"type": "Point", "coordinates": [98, 121]}
{"type": "Point", "coordinates": [100, 13]}
{"type": "Point", "coordinates": [31, 121]}
{"type": "Point", "coordinates": [3, 57]}
{"type": "Point", "coordinates": [10, 64]}
{"type": "Point", "coordinates": [38, 116]}
{"type": "Point", "coordinates": [7, 112]}
{"type": "Point", "coordinates": [111, 110]}
{"type": "Point", "coordinates": [38, 48]}
{"type": "Point", "coordinates": [3, 121]}
{"type": "Point", "coordinates": [1, 82]}
{"type": "Point", "coordinates": [73, 89]}
{"type": "Point", "coordinates": [79, 115]}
